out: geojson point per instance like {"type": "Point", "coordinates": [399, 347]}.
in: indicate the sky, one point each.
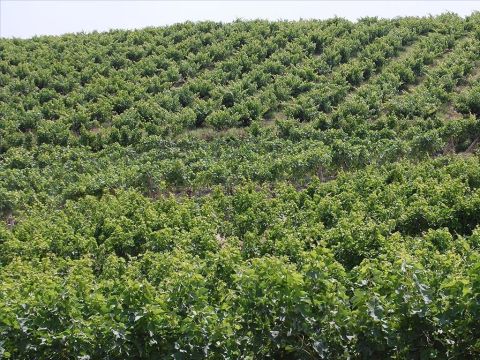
{"type": "Point", "coordinates": [24, 19]}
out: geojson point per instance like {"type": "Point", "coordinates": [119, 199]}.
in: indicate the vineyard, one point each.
{"type": "Point", "coordinates": [248, 190]}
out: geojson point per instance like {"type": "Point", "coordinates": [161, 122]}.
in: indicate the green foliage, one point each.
{"type": "Point", "coordinates": [285, 190]}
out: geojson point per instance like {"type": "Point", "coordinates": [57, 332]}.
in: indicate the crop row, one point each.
{"type": "Point", "coordinates": [378, 263]}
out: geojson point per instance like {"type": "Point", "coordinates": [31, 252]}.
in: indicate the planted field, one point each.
{"type": "Point", "coordinates": [284, 190]}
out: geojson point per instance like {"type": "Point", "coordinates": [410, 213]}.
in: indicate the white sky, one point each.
{"type": "Point", "coordinates": [20, 18]}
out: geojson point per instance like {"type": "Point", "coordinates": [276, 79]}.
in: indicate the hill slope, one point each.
{"type": "Point", "coordinates": [247, 190]}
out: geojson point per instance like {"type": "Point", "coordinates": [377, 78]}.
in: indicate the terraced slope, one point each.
{"type": "Point", "coordinates": [247, 190]}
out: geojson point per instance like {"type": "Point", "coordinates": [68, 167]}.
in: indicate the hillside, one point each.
{"type": "Point", "coordinates": [284, 190]}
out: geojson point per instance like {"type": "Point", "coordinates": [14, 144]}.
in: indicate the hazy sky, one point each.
{"type": "Point", "coordinates": [19, 18]}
